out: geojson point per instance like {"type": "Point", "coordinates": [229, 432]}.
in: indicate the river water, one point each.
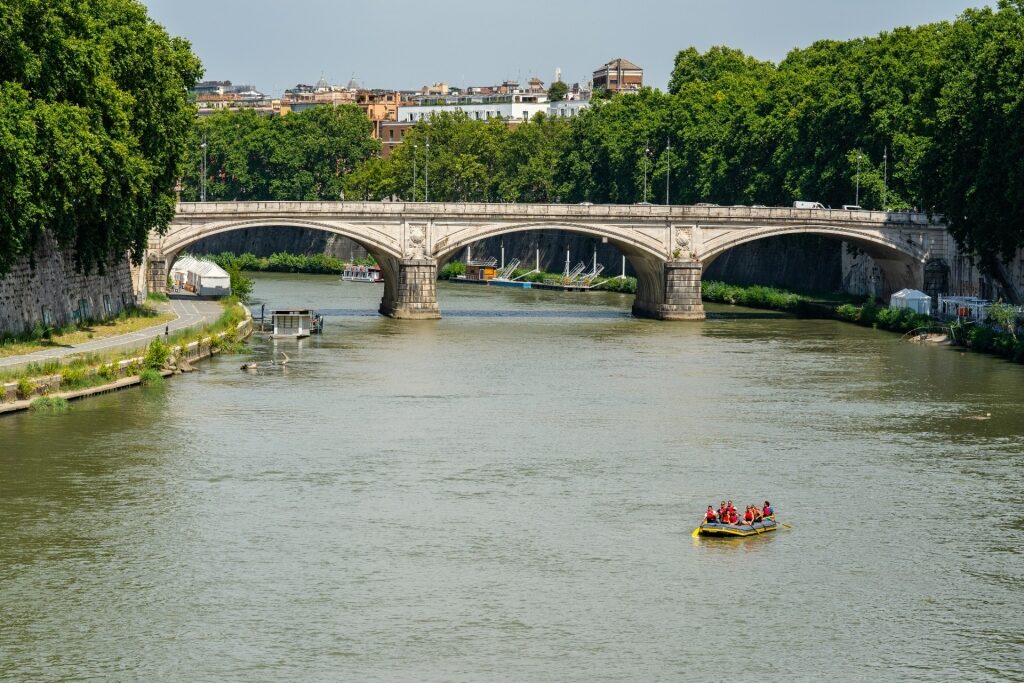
{"type": "Point", "coordinates": [508, 494]}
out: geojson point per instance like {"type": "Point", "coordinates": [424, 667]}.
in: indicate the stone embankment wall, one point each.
{"type": "Point", "coordinates": [54, 293]}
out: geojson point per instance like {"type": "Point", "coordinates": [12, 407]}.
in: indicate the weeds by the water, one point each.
{"type": "Point", "coordinates": [105, 365]}
{"type": "Point", "coordinates": [151, 378]}
{"type": "Point", "coordinates": [50, 404]}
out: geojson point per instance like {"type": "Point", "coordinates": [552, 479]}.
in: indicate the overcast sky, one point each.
{"type": "Point", "coordinates": [274, 44]}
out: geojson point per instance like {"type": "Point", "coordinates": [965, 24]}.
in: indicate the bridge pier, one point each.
{"type": "Point", "coordinates": [156, 274]}
{"type": "Point", "coordinates": [673, 296]}
{"type": "Point", "coordinates": [410, 289]}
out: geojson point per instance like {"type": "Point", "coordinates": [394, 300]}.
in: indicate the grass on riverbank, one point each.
{"type": "Point", "coordinates": [128, 321]}
{"type": "Point", "coordinates": [92, 369]}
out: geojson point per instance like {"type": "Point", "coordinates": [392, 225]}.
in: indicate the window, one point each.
{"type": "Point", "coordinates": [391, 134]}
{"type": "Point", "coordinates": [526, 115]}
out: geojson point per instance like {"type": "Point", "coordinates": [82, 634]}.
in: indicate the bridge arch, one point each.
{"type": "Point", "coordinates": [376, 242]}
{"type": "Point", "coordinates": [902, 263]}
{"type": "Point", "coordinates": [643, 252]}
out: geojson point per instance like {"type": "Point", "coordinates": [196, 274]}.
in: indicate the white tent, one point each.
{"type": "Point", "coordinates": [915, 300]}
{"type": "Point", "coordinates": [202, 277]}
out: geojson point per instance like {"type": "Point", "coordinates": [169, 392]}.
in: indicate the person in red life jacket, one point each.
{"type": "Point", "coordinates": [722, 511]}
{"type": "Point", "coordinates": [733, 517]}
{"type": "Point", "coordinates": [757, 513]}
{"type": "Point", "coordinates": [711, 517]}
{"type": "Point", "coordinates": [730, 507]}
{"type": "Point", "coordinates": [748, 516]}
{"type": "Point", "coordinates": [767, 511]}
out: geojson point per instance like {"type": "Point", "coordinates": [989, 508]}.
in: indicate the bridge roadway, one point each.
{"type": "Point", "coordinates": [668, 246]}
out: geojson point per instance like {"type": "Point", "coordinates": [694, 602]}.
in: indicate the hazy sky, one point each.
{"type": "Point", "coordinates": [275, 44]}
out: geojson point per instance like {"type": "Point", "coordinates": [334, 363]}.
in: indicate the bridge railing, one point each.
{"type": "Point", "coordinates": [583, 211]}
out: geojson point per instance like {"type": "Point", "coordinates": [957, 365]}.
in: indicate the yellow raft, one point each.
{"type": "Point", "coordinates": [720, 530]}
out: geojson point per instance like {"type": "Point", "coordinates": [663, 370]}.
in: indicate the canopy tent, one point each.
{"type": "Point", "coordinates": [202, 277]}
{"type": "Point", "coordinates": [915, 300]}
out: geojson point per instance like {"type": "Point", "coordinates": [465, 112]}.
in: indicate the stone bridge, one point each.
{"type": "Point", "coordinates": [668, 246]}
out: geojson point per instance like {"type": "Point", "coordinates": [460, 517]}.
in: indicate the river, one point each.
{"type": "Point", "coordinates": [508, 494]}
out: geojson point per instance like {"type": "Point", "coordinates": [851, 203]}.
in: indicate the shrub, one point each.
{"type": "Point", "coordinates": [73, 377]}
{"type": "Point", "coordinates": [157, 296]}
{"type": "Point", "coordinates": [25, 387]}
{"type": "Point", "coordinates": [451, 270]}
{"type": "Point", "coordinates": [106, 372]}
{"type": "Point", "coordinates": [151, 378]}
{"type": "Point", "coordinates": [50, 404]}
{"type": "Point", "coordinates": [157, 354]}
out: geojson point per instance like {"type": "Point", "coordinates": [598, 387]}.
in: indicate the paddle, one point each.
{"type": "Point", "coordinates": [696, 532]}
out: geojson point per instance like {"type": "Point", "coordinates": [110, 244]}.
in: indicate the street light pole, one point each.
{"type": "Point", "coordinates": [857, 198]}
{"type": "Point", "coordinates": [647, 153]}
{"type": "Point", "coordinates": [426, 172]}
{"type": "Point", "coordinates": [202, 192]}
{"type": "Point", "coordinates": [415, 153]}
{"type": "Point", "coordinates": [668, 166]}
{"type": "Point", "coordinates": [885, 176]}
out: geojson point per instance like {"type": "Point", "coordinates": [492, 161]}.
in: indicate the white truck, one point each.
{"type": "Point", "coordinates": [809, 205]}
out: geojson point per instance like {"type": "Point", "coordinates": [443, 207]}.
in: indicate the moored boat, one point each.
{"type": "Point", "coordinates": [354, 273]}
{"type": "Point", "coordinates": [719, 530]}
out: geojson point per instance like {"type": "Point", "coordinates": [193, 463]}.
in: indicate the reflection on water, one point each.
{"type": "Point", "coordinates": [508, 493]}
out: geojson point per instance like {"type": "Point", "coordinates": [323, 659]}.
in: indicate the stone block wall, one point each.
{"type": "Point", "coordinates": [416, 294]}
{"type": "Point", "coordinates": [53, 293]}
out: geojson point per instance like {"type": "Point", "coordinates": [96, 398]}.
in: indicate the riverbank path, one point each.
{"type": "Point", "coordinates": [191, 311]}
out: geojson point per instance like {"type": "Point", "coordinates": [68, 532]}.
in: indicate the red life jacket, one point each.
{"type": "Point", "coordinates": [748, 516]}
{"type": "Point", "coordinates": [733, 517]}
{"type": "Point", "coordinates": [711, 516]}
{"type": "Point", "coordinates": [767, 512]}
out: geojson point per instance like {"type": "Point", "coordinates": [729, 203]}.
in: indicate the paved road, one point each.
{"type": "Point", "coordinates": [191, 312]}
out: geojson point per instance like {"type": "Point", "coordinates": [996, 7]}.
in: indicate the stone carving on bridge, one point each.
{"type": "Point", "coordinates": [417, 244]}
{"type": "Point", "coordinates": [683, 251]}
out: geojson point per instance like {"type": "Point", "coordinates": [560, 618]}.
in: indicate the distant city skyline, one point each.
{"type": "Point", "coordinates": [404, 44]}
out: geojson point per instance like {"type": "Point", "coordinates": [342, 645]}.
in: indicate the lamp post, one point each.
{"type": "Point", "coordinates": [647, 153]}
{"type": "Point", "coordinates": [415, 153]}
{"type": "Point", "coordinates": [885, 176]}
{"type": "Point", "coordinates": [426, 172]}
{"type": "Point", "coordinates": [857, 197]}
{"type": "Point", "coordinates": [202, 191]}
{"type": "Point", "coordinates": [668, 166]}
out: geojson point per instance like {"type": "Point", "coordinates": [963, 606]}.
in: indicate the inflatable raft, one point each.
{"type": "Point", "coordinates": [736, 530]}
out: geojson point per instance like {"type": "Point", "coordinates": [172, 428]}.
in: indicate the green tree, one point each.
{"type": "Point", "coordinates": [557, 91]}
{"type": "Point", "coordinates": [977, 176]}
{"type": "Point", "coordinates": [93, 123]}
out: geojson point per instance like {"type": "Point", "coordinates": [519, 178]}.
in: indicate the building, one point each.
{"type": "Point", "coordinates": [380, 106]}
{"type": "Point", "coordinates": [507, 102]}
{"type": "Point", "coordinates": [303, 97]}
{"type": "Point", "coordinates": [619, 75]}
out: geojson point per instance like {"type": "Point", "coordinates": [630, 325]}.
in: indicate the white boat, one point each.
{"type": "Point", "coordinates": [354, 273]}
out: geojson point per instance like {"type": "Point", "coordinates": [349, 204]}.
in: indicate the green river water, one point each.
{"type": "Point", "coordinates": [508, 494]}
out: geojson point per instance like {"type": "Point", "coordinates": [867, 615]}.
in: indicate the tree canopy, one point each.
{"type": "Point", "coordinates": [94, 115]}
{"type": "Point", "coordinates": [302, 156]}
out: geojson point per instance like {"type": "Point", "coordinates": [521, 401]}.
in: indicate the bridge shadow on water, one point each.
{"type": "Point", "coordinates": [532, 314]}
{"type": "Point", "coordinates": [747, 315]}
